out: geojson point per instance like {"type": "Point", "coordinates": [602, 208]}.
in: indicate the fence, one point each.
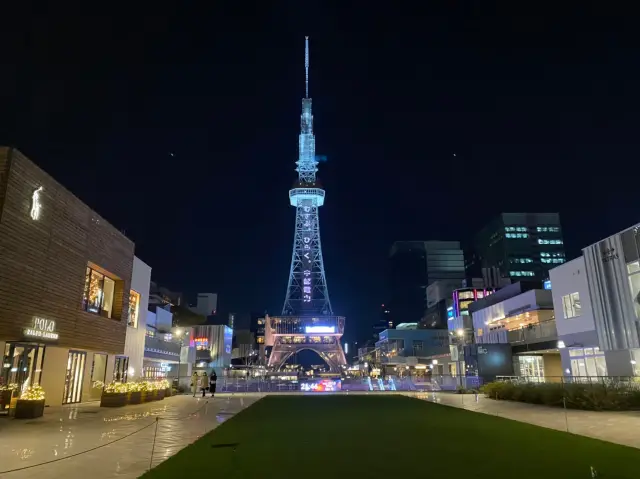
{"type": "Point", "coordinates": [388, 383]}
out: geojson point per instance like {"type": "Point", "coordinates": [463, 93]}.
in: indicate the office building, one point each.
{"type": "Point", "coordinates": [413, 266]}
{"type": "Point", "coordinates": [520, 245]}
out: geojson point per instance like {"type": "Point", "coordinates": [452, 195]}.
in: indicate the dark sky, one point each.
{"type": "Point", "coordinates": [540, 108]}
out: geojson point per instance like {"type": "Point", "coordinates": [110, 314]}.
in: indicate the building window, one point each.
{"type": "Point", "coordinates": [520, 260]}
{"type": "Point", "coordinates": [98, 293]}
{"type": "Point", "coordinates": [134, 306]}
{"type": "Point", "coordinates": [552, 260]}
{"type": "Point", "coordinates": [549, 241]}
{"type": "Point", "coordinates": [417, 346]}
{"type": "Point", "coordinates": [634, 284]}
{"type": "Point", "coordinates": [571, 305]}
{"type": "Point", "coordinates": [521, 273]}
{"type": "Point", "coordinates": [121, 369]}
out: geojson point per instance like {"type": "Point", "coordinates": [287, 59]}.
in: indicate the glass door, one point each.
{"type": "Point", "coordinates": [98, 373]}
{"type": "Point", "coordinates": [22, 365]}
{"type": "Point", "coordinates": [74, 377]}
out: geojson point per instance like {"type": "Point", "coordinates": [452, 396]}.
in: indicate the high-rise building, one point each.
{"type": "Point", "coordinates": [522, 246]}
{"type": "Point", "coordinates": [385, 322]}
{"type": "Point", "coordinates": [414, 265]}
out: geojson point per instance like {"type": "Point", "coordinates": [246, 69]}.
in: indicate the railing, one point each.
{"type": "Point", "coordinates": [157, 348]}
{"type": "Point", "coordinates": [534, 333]}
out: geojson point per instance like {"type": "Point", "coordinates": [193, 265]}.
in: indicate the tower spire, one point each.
{"type": "Point", "coordinates": [306, 67]}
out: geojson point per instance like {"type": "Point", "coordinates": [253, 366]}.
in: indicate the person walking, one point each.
{"type": "Point", "coordinates": [212, 382]}
{"type": "Point", "coordinates": [204, 383]}
{"type": "Point", "coordinates": [194, 383]}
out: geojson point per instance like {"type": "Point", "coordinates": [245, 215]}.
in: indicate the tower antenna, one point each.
{"type": "Point", "coordinates": [306, 67]}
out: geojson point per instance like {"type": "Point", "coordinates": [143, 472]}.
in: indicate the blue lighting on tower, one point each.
{"type": "Point", "coordinates": [307, 290]}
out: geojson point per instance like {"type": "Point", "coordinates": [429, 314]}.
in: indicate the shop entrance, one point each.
{"type": "Point", "coordinates": [22, 365]}
{"type": "Point", "coordinates": [98, 374]}
{"type": "Point", "coordinates": [74, 377]}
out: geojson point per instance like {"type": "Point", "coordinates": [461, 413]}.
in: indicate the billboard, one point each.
{"type": "Point", "coordinates": [321, 385]}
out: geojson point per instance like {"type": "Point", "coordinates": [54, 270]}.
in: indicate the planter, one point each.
{"type": "Point", "coordinates": [113, 399]}
{"type": "Point", "coordinates": [135, 397]}
{"type": "Point", "coordinates": [28, 409]}
{"type": "Point", "coordinates": [5, 399]}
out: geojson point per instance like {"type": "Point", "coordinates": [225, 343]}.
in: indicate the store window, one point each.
{"type": "Point", "coordinates": [22, 365]}
{"type": "Point", "coordinates": [99, 291]}
{"type": "Point", "coordinates": [531, 367]}
{"type": "Point", "coordinates": [134, 307]}
{"type": "Point", "coordinates": [587, 363]}
{"type": "Point", "coordinates": [121, 369]}
{"type": "Point", "coordinates": [633, 269]}
{"type": "Point", "coordinates": [571, 305]}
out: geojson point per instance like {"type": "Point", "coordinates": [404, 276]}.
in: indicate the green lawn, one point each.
{"type": "Point", "coordinates": [389, 437]}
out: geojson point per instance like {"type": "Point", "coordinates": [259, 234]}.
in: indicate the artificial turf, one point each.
{"type": "Point", "coordinates": [380, 436]}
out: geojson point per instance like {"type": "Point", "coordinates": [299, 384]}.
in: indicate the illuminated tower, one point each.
{"type": "Point", "coordinates": [307, 320]}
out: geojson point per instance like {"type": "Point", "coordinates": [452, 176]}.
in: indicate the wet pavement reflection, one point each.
{"type": "Point", "coordinates": [86, 430]}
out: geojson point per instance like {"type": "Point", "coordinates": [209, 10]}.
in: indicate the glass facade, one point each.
{"type": "Point", "coordinates": [587, 362]}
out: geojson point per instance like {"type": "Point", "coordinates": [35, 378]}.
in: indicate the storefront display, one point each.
{"type": "Point", "coordinates": [22, 364]}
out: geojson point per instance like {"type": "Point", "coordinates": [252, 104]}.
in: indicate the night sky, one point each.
{"type": "Point", "coordinates": [180, 126]}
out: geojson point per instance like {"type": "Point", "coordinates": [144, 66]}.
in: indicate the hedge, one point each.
{"type": "Point", "coordinates": [605, 396]}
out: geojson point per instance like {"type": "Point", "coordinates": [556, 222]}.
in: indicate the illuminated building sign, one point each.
{"type": "Point", "coordinates": [306, 256]}
{"type": "Point", "coordinates": [36, 206]}
{"type": "Point", "coordinates": [201, 343]}
{"type": "Point", "coordinates": [42, 328]}
{"type": "Point", "coordinates": [324, 385]}
{"type": "Point", "coordinates": [320, 329]}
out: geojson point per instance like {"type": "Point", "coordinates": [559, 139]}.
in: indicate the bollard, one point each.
{"type": "Point", "coordinates": [153, 447]}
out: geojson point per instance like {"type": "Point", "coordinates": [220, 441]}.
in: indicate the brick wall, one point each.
{"type": "Point", "coordinates": [43, 262]}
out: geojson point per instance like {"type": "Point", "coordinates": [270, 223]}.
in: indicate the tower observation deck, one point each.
{"type": "Point", "coordinates": [307, 320]}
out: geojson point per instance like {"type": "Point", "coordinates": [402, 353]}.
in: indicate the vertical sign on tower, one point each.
{"type": "Point", "coordinates": [306, 256]}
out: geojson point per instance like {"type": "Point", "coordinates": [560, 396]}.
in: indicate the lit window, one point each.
{"type": "Point", "coordinates": [98, 293]}
{"type": "Point", "coordinates": [571, 305]}
{"type": "Point", "coordinates": [134, 306]}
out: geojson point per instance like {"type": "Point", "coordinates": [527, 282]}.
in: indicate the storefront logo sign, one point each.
{"type": "Point", "coordinates": [42, 328]}
{"type": "Point", "coordinates": [36, 206]}
{"type": "Point", "coordinates": [609, 254]}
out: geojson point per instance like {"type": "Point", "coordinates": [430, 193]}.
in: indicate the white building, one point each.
{"type": "Point", "coordinates": [596, 300]}
{"type": "Point", "coordinates": [137, 325]}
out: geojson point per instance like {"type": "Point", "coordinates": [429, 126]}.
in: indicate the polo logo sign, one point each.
{"type": "Point", "coordinates": [36, 206]}
{"type": "Point", "coordinates": [42, 328]}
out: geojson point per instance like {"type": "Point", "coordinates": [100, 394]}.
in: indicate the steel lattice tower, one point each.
{"type": "Point", "coordinates": [307, 308]}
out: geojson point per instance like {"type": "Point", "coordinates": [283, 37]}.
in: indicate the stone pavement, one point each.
{"type": "Point", "coordinates": [68, 430]}
{"type": "Point", "coordinates": [619, 427]}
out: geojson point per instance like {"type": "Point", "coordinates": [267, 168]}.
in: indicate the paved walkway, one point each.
{"type": "Point", "coordinates": [619, 427]}
{"type": "Point", "coordinates": [68, 430]}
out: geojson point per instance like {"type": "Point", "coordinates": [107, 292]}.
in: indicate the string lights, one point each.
{"type": "Point", "coordinates": [32, 393]}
